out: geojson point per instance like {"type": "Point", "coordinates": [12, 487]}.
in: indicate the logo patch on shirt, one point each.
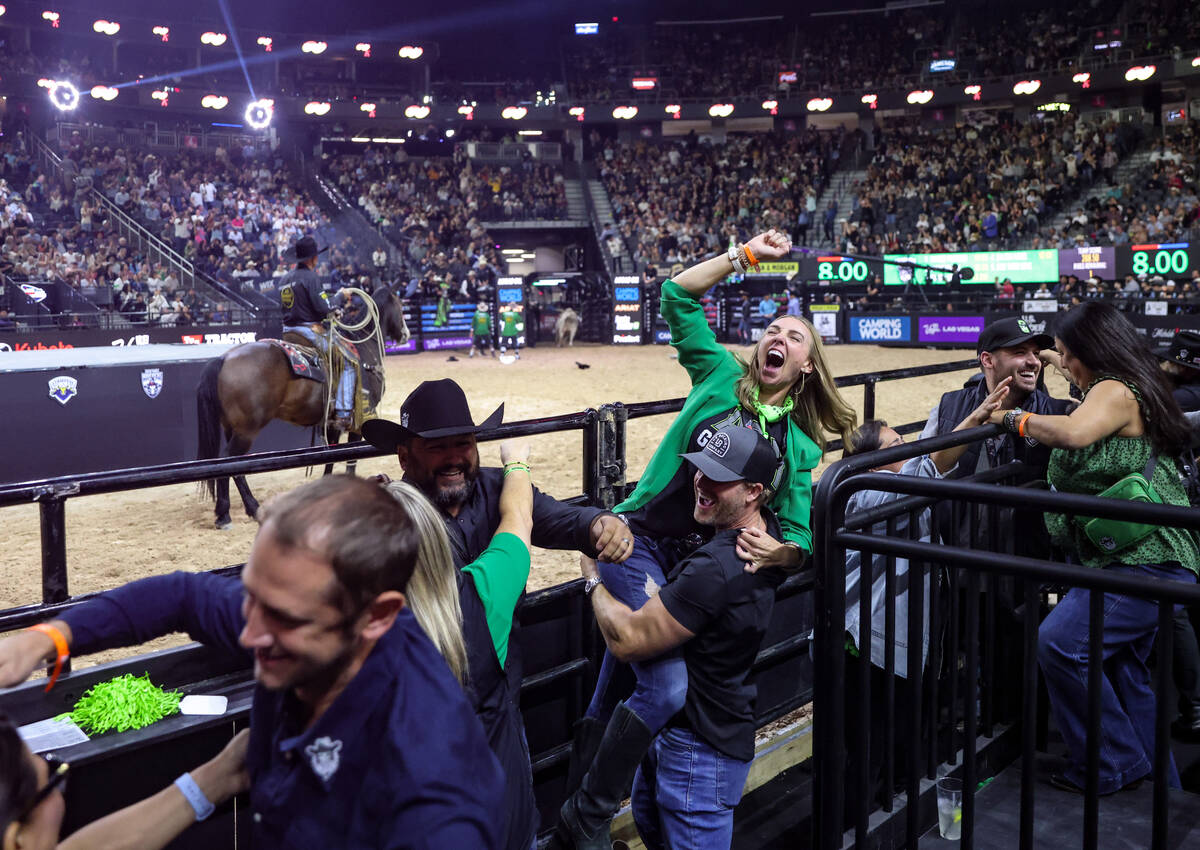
{"type": "Point", "coordinates": [651, 588]}
{"type": "Point", "coordinates": [718, 445]}
{"type": "Point", "coordinates": [287, 297]}
{"type": "Point", "coordinates": [325, 756]}
{"type": "Point", "coordinates": [63, 389]}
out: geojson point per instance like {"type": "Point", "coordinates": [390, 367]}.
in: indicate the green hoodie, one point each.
{"type": "Point", "coordinates": [715, 372]}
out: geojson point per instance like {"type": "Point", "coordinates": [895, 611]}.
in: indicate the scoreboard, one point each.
{"type": "Point", "coordinates": [627, 310]}
{"type": "Point", "coordinates": [1169, 259]}
{"type": "Point", "coordinates": [834, 268]}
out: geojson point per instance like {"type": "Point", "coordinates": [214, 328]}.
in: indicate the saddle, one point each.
{"type": "Point", "coordinates": [308, 362]}
{"type": "Point", "coordinates": [304, 360]}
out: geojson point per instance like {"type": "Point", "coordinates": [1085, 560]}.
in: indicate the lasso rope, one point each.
{"type": "Point", "coordinates": [344, 331]}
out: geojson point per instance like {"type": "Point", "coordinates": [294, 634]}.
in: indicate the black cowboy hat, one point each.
{"type": "Point", "coordinates": [1184, 350]}
{"type": "Point", "coordinates": [304, 249]}
{"type": "Point", "coordinates": [434, 409]}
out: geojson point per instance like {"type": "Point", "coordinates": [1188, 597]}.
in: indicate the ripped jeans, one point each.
{"type": "Point", "coordinates": [661, 682]}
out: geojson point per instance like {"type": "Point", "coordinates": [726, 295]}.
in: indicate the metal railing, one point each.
{"type": "Point", "coordinates": [958, 692]}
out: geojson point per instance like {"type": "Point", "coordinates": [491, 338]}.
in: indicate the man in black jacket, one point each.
{"type": "Point", "coordinates": [306, 303]}
{"type": "Point", "coordinates": [1007, 348]}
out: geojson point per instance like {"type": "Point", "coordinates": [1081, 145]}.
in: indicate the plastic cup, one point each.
{"type": "Point", "coordinates": [949, 803]}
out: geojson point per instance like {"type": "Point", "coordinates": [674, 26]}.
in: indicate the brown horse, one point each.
{"type": "Point", "coordinates": [251, 384]}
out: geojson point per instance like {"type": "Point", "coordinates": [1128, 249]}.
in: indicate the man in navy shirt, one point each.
{"type": "Point", "coordinates": [691, 779]}
{"type": "Point", "coordinates": [360, 735]}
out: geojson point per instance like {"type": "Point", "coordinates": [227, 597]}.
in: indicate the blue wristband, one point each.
{"type": "Point", "coordinates": [200, 804]}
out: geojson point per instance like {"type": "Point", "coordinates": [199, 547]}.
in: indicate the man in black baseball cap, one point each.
{"type": "Point", "coordinates": [714, 609]}
{"type": "Point", "coordinates": [1010, 333]}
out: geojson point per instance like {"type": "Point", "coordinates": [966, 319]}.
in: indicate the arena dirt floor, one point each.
{"type": "Point", "coordinates": [112, 539]}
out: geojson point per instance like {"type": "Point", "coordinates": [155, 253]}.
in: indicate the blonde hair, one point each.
{"type": "Point", "coordinates": [433, 588]}
{"type": "Point", "coordinates": [817, 406]}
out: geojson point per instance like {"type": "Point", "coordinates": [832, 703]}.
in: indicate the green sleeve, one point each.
{"type": "Point", "coordinates": [500, 575]}
{"type": "Point", "coordinates": [693, 338]}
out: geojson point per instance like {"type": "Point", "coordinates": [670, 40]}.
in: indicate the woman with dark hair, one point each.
{"type": "Point", "coordinates": [32, 805]}
{"type": "Point", "coordinates": [1128, 422]}
{"type": "Point", "coordinates": [786, 391]}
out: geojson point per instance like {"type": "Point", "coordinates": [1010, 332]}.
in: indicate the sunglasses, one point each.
{"type": "Point", "coordinates": [56, 780]}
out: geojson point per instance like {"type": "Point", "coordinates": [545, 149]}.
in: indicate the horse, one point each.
{"type": "Point", "coordinates": [251, 384]}
{"type": "Point", "coordinates": [565, 327]}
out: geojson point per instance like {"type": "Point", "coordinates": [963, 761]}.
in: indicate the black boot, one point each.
{"type": "Point", "coordinates": [588, 732]}
{"type": "Point", "coordinates": [585, 819]}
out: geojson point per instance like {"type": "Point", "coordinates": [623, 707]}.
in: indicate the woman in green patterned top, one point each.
{"type": "Point", "coordinates": [1127, 415]}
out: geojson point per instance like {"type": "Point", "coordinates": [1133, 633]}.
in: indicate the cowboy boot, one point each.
{"type": "Point", "coordinates": [588, 732]}
{"type": "Point", "coordinates": [585, 820]}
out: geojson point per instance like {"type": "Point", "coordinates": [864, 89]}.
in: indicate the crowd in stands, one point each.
{"type": "Point", "coordinates": [1159, 203]}
{"type": "Point", "coordinates": [675, 202]}
{"type": "Point", "coordinates": [435, 209]}
{"type": "Point", "coordinates": [977, 186]}
{"type": "Point", "coordinates": [231, 213]}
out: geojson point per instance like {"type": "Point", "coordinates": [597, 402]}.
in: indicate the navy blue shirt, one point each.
{"type": "Point", "coordinates": [399, 759]}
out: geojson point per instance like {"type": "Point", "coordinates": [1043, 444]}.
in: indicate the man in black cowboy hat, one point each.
{"type": "Point", "coordinates": [1181, 360]}
{"type": "Point", "coordinates": [306, 303]}
{"type": "Point", "coordinates": [435, 443]}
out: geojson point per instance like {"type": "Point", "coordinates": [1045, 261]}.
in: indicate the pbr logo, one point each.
{"type": "Point", "coordinates": [63, 389]}
{"type": "Point", "coordinates": [152, 382]}
{"type": "Point", "coordinates": [718, 445]}
{"type": "Point", "coordinates": [324, 754]}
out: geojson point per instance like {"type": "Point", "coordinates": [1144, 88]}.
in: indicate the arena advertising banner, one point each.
{"type": "Point", "coordinates": [824, 319]}
{"type": "Point", "coordinates": [445, 325]}
{"type": "Point", "coordinates": [410, 347]}
{"type": "Point", "coordinates": [880, 328]}
{"type": "Point", "coordinates": [627, 310]}
{"type": "Point", "coordinates": [949, 328]}
{"type": "Point", "coordinates": [1018, 266]}
{"type": "Point", "coordinates": [510, 298]}
{"type": "Point", "coordinates": [1087, 261]}
{"type": "Point", "coordinates": [49, 339]}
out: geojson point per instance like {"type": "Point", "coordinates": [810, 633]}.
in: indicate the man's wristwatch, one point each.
{"type": "Point", "coordinates": [591, 584]}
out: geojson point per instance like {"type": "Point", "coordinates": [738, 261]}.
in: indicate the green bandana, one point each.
{"type": "Point", "coordinates": [771, 412]}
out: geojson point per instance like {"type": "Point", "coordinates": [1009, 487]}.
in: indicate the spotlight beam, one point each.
{"type": "Point", "coordinates": [237, 47]}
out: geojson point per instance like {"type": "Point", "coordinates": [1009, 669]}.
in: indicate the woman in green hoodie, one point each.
{"type": "Point", "coordinates": [785, 391]}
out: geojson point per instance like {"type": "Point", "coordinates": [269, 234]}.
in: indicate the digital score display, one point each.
{"type": "Point", "coordinates": [1170, 259]}
{"type": "Point", "coordinates": [627, 310]}
{"type": "Point", "coordinates": [834, 268]}
{"type": "Point", "coordinates": [510, 297]}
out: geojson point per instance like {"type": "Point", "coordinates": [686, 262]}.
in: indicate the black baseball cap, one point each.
{"type": "Point", "coordinates": [1009, 332]}
{"type": "Point", "coordinates": [736, 453]}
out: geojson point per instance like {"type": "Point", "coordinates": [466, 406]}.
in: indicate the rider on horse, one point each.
{"type": "Point", "coordinates": [307, 303]}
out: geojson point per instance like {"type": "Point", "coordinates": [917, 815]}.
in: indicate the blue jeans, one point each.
{"type": "Point", "coordinates": [1126, 698]}
{"type": "Point", "coordinates": [343, 403]}
{"type": "Point", "coordinates": [685, 792]}
{"type": "Point", "coordinates": [661, 682]}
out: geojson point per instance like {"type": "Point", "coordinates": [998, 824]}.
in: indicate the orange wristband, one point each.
{"type": "Point", "coordinates": [750, 255]}
{"type": "Point", "coordinates": [1021, 424]}
{"type": "Point", "coordinates": [60, 647]}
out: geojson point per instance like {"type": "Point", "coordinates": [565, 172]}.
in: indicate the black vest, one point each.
{"type": "Point", "coordinates": [954, 408]}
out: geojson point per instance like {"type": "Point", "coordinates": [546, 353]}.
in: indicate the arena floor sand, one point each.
{"type": "Point", "coordinates": [115, 538]}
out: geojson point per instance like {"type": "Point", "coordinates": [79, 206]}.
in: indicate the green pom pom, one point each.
{"type": "Point", "coordinates": [124, 703]}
